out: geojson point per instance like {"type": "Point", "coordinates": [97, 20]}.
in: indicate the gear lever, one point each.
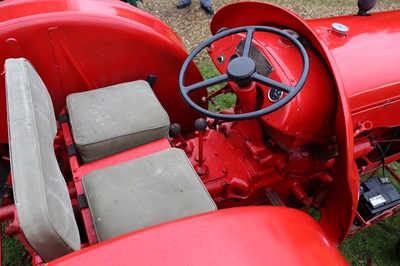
{"type": "Point", "coordinates": [175, 132]}
{"type": "Point", "coordinates": [201, 124]}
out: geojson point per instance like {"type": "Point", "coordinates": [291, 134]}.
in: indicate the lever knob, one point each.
{"type": "Point", "coordinates": [174, 130]}
{"type": "Point", "coordinates": [200, 124]}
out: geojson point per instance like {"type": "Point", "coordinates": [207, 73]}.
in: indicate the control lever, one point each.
{"type": "Point", "coordinates": [201, 124]}
{"type": "Point", "coordinates": [175, 132]}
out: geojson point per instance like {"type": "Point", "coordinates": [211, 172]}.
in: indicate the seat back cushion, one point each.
{"type": "Point", "coordinates": [113, 119]}
{"type": "Point", "coordinates": [41, 196]}
{"type": "Point", "coordinates": [147, 191]}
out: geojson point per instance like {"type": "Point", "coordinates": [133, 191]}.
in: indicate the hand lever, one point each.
{"type": "Point", "coordinates": [175, 132]}
{"type": "Point", "coordinates": [201, 124]}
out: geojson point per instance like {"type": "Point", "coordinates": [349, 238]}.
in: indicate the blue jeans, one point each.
{"type": "Point", "coordinates": [202, 2]}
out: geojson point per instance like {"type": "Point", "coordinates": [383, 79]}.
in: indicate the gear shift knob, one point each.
{"type": "Point", "coordinates": [200, 124]}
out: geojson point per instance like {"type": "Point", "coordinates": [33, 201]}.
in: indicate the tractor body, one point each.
{"type": "Point", "coordinates": [282, 187]}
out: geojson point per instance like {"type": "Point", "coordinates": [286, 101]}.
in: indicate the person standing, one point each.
{"type": "Point", "coordinates": [204, 4]}
{"type": "Point", "coordinates": [132, 2]}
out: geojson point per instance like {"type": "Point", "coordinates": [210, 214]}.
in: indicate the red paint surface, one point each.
{"type": "Point", "coordinates": [342, 104]}
{"type": "Point", "coordinates": [241, 236]}
{"type": "Point", "coordinates": [368, 65]}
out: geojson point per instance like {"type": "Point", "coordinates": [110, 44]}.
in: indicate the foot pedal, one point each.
{"type": "Point", "coordinates": [377, 195]}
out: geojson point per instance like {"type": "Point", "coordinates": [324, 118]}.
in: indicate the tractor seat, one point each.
{"type": "Point", "coordinates": [122, 198]}
{"type": "Point", "coordinates": [147, 191]}
{"type": "Point", "coordinates": [41, 196]}
{"type": "Point", "coordinates": [112, 119]}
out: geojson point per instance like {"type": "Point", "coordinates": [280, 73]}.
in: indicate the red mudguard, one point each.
{"type": "Point", "coordinates": [238, 236]}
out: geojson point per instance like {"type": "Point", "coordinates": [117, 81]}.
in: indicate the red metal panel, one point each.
{"type": "Point", "coordinates": [367, 59]}
{"type": "Point", "coordinates": [220, 238]}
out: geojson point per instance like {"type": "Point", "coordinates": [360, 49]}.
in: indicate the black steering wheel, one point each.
{"type": "Point", "coordinates": [242, 71]}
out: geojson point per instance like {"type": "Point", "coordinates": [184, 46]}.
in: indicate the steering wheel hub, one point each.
{"type": "Point", "coordinates": [240, 70]}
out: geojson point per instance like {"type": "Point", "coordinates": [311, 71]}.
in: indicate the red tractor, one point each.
{"type": "Point", "coordinates": [110, 154]}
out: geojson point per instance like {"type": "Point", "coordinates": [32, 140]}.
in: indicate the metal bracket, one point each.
{"type": "Point", "coordinates": [63, 118]}
{"type": "Point", "coordinates": [82, 201]}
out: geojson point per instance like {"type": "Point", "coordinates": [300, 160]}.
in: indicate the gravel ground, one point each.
{"type": "Point", "coordinates": [192, 24]}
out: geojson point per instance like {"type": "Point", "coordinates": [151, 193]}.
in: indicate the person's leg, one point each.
{"type": "Point", "coordinates": [206, 6]}
{"type": "Point", "coordinates": [205, 2]}
{"type": "Point", "coordinates": [183, 4]}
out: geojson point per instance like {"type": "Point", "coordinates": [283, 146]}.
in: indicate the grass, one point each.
{"type": "Point", "coordinates": [14, 252]}
{"type": "Point", "coordinates": [377, 243]}
{"type": "Point", "coordinates": [223, 101]}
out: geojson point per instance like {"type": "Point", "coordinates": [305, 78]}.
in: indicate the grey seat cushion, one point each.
{"type": "Point", "coordinates": [41, 196]}
{"type": "Point", "coordinates": [147, 191]}
{"type": "Point", "coordinates": [116, 118]}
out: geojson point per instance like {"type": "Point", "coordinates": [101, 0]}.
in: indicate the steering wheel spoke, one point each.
{"type": "Point", "coordinates": [206, 83]}
{"type": "Point", "coordinates": [272, 83]}
{"type": "Point", "coordinates": [248, 41]}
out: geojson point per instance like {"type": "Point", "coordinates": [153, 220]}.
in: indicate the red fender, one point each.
{"type": "Point", "coordinates": [277, 236]}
